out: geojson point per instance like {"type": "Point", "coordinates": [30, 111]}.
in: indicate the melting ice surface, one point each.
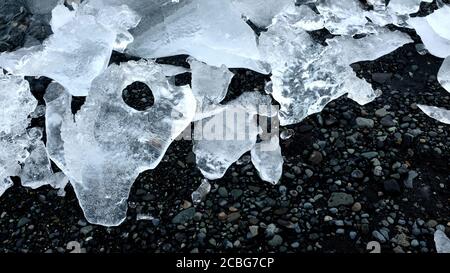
{"type": "Point", "coordinates": [106, 144]}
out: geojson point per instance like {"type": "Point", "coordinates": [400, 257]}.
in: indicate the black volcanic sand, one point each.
{"type": "Point", "coordinates": [329, 154]}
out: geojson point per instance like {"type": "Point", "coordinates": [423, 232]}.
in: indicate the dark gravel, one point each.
{"type": "Point", "coordinates": [347, 179]}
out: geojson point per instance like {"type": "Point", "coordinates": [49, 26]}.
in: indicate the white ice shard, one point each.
{"type": "Point", "coordinates": [222, 139]}
{"type": "Point", "coordinates": [437, 113]}
{"type": "Point", "coordinates": [306, 75]}
{"type": "Point", "coordinates": [211, 31]}
{"type": "Point", "coordinates": [267, 159]}
{"type": "Point", "coordinates": [442, 242]}
{"type": "Point", "coordinates": [108, 143]}
{"type": "Point", "coordinates": [210, 86]}
{"type": "Point", "coordinates": [444, 74]}
{"type": "Point", "coordinates": [200, 193]}
{"type": "Point", "coordinates": [80, 48]}
{"type": "Point", "coordinates": [434, 30]}
{"type": "Point", "coordinates": [261, 12]}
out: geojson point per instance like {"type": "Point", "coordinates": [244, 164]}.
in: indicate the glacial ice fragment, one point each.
{"type": "Point", "coordinates": [442, 242]}
{"type": "Point", "coordinates": [58, 110]}
{"type": "Point", "coordinates": [200, 193]}
{"type": "Point", "coordinates": [83, 41]}
{"type": "Point", "coordinates": [108, 143]}
{"type": "Point", "coordinates": [16, 103]}
{"type": "Point", "coordinates": [437, 113]}
{"type": "Point", "coordinates": [210, 86]}
{"type": "Point", "coordinates": [306, 75]}
{"type": "Point", "coordinates": [222, 139]}
{"type": "Point", "coordinates": [37, 170]}
{"type": "Point", "coordinates": [210, 31]}
{"type": "Point", "coordinates": [444, 74]}
{"type": "Point", "coordinates": [22, 152]}
{"type": "Point", "coordinates": [267, 159]}
{"type": "Point", "coordinates": [434, 30]}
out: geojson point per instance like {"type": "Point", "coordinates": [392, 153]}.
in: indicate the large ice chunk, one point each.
{"type": "Point", "coordinates": [210, 31]}
{"type": "Point", "coordinates": [80, 48]}
{"type": "Point", "coordinates": [434, 30]}
{"type": "Point", "coordinates": [306, 75]}
{"type": "Point", "coordinates": [108, 143]}
{"type": "Point", "coordinates": [442, 242]}
{"type": "Point", "coordinates": [437, 113]}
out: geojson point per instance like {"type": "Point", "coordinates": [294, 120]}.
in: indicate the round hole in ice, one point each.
{"type": "Point", "coordinates": [138, 96]}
